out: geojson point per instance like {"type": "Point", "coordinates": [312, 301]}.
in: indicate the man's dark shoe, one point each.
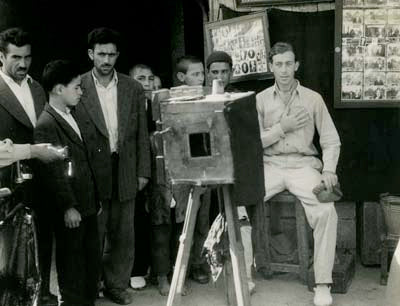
{"type": "Point", "coordinates": [118, 296]}
{"type": "Point", "coordinates": [48, 300]}
{"type": "Point", "coordinates": [199, 275]}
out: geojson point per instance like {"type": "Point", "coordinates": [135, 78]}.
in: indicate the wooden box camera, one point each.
{"type": "Point", "coordinates": [196, 139]}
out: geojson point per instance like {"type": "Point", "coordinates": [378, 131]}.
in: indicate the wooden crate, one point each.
{"type": "Point", "coordinates": [370, 228]}
{"type": "Point", "coordinates": [346, 211]}
{"type": "Point", "coordinates": [343, 273]}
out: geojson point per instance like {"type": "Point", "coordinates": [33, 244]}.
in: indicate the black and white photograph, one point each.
{"type": "Point", "coordinates": [351, 30]}
{"type": "Point", "coordinates": [393, 63]}
{"type": "Point", "coordinates": [351, 3]}
{"type": "Point", "coordinates": [393, 49]}
{"type": "Point", "coordinates": [375, 16]}
{"type": "Point", "coordinates": [393, 31]}
{"type": "Point", "coordinates": [394, 15]}
{"type": "Point", "coordinates": [200, 153]}
{"type": "Point", "coordinates": [353, 16]}
{"type": "Point", "coordinates": [375, 31]}
{"type": "Point", "coordinates": [372, 78]}
{"type": "Point", "coordinates": [374, 49]}
{"type": "Point", "coordinates": [376, 3]}
{"type": "Point", "coordinates": [374, 93]}
{"type": "Point", "coordinates": [375, 63]}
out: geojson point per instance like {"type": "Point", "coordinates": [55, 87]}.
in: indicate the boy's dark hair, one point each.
{"type": "Point", "coordinates": [103, 36]}
{"type": "Point", "coordinates": [58, 72]}
{"type": "Point", "coordinates": [15, 36]}
{"type": "Point", "coordinates": [183, 63]}
{"type": "Point", "coordinates": [279, 48]}
{"type": "Point", "coordinates": [139, 66]}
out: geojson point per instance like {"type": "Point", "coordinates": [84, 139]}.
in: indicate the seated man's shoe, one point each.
{"type": "Point", "coordinates": [138, 282]}
{"type": "Point", "coordinates": [265, 273]}
{"type": "Point", "coordinates": [199, 275]}
{"type": "Point", "coordinates": [163, 285]}
{"type": "Point", "coordinates": [322, 295]}
{"type": "Point", "coordinates": [118, 296]}
{"type": "Point", "coordinates": [48, 299]}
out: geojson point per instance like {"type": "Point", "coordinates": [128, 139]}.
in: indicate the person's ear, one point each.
{"type": "Point", "coordinates": [57, 90]}
{"type": "Point", "coordinates": [181, 76]}
{"type": "Point", "coordinates": [90, 53]}
{"type": "Point", "coordinates": [2, 57]}
{"type": "Point", "coordinates": [270, 67]}
{"type": "Point", "coordinates": [296, 66]}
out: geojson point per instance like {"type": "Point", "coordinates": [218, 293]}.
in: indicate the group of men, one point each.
{"type": "Point", "coordinates": [102, 117]}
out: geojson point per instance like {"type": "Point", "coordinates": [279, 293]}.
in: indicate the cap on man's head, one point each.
{"type": "Point", "coordinates": [218, 56]}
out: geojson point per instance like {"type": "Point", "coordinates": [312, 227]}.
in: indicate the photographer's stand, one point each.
{"type": "Point", "coordinates": [195, 144]}
{"type": "Point", "coordinates": [235, 247]}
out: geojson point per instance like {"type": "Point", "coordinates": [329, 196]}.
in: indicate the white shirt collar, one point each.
{"type": "Point", "coordinates": [10, 80]}
{"type": "Point", "coordinates": [114, 80]}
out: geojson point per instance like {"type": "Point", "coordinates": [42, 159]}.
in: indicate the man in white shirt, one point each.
{"type": "Point", "coordinates": [21, 101]}
{"type": "Point", "coordinates": [288, 115]}
{"type": "Point", "coordinates": [112, 119]}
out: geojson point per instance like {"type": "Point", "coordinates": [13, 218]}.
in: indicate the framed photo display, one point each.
{"type": "Point", "coordinates": [247, 3]}
{"type": "Point", "coordinates": [246, 40]}
{"type": "Point", "coordinates": [367, 53]}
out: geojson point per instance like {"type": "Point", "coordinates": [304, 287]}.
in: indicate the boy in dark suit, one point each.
{"type": "Point", "coordinates": [71, 188]}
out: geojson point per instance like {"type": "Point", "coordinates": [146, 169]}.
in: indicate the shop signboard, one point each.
{"type": "Point", "coordinates": [247, 3]}
{"type": "Point", "coordinates": [246, 40]}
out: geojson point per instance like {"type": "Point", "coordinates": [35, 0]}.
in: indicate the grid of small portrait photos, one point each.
{"type": "Point", "coordinates": [371, 50]}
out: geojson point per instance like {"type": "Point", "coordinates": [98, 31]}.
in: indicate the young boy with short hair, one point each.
{"type": "Point", "coordinates": [190, 70]}
{"type": "Point", "coordinates": [70, 186]}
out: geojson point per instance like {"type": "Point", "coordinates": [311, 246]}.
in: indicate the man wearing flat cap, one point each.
{"type": "Point", "coordinates": [219, 66]}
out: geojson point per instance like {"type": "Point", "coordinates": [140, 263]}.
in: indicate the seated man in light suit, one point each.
{"type": "Point", "coordinates": [288, 115]}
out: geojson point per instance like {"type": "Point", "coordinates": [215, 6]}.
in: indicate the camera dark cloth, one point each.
{"type": "Point", "coordinates": [247, 153]}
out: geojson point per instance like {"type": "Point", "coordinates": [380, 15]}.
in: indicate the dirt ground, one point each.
{"type": "Point", "coordinates": [282, 290]}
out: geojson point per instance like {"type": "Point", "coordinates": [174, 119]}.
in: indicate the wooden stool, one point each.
{"type": "Point", "coordinates": [302, 240]}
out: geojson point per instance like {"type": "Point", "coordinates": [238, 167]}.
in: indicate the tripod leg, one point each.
{"type": "Point", "coordinates": [236, 250]}
{"type": "Point", "coordinates": [186, 238]}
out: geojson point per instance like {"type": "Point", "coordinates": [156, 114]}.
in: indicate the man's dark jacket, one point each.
{"type": "Point", "coordinates": [78, 189]}
{"type": "Point", "coordinates": [133, 140]}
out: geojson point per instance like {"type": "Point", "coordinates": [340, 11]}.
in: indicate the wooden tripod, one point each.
{"type": "Point", "coordinates": [235, 247]}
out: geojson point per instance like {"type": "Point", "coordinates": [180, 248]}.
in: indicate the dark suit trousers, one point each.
{"type": "Point", "coordinates": [117, 237]}
{"type": "Point", "coordinates": [142, 235]}
{"type": "Point", "coordinates": [78, 261]}
{"type": "Point", "coordinates": [164, 246]}
{"type": "Point", "coordinates": [201, 230]}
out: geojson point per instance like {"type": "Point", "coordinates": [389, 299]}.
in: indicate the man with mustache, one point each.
{"type": "Point", "coordinates": [112, 119]}
{"type": "Point", "coordinates": [21, 101]}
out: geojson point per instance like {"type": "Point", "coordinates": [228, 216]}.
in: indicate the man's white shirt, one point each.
{"type": "Point", "coordinates": [23, 95]}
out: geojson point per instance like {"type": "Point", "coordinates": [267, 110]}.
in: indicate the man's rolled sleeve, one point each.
{"type": "Point", "coordinates": [271, 135]}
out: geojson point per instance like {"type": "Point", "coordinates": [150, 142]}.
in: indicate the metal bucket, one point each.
{"type": "Point", "coordinates": [391, 211]}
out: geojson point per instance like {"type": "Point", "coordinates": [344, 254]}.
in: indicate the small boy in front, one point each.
{"type": "Point", "coordinates": [70, 186]}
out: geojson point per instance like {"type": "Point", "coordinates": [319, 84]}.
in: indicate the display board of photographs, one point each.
{"type": "Point", "coordinates": [370, 69]}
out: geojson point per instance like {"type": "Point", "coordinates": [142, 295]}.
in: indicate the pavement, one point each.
{"type": "Point", "coordinates": [282, 290]}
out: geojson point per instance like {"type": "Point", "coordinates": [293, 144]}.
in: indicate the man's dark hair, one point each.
{"type": "Point", "coordinates": [139, 66]}
{"type": "Point", "coordinates": [59, 72]}
{"type": "Point", "coordinates": [104, 36]}
{"type": "Point", "coordinates": [279, 48]}
{"type": "Point", "coordinates": [15, 36]}
{"type": "Point", "coordinates": [182, 64]}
